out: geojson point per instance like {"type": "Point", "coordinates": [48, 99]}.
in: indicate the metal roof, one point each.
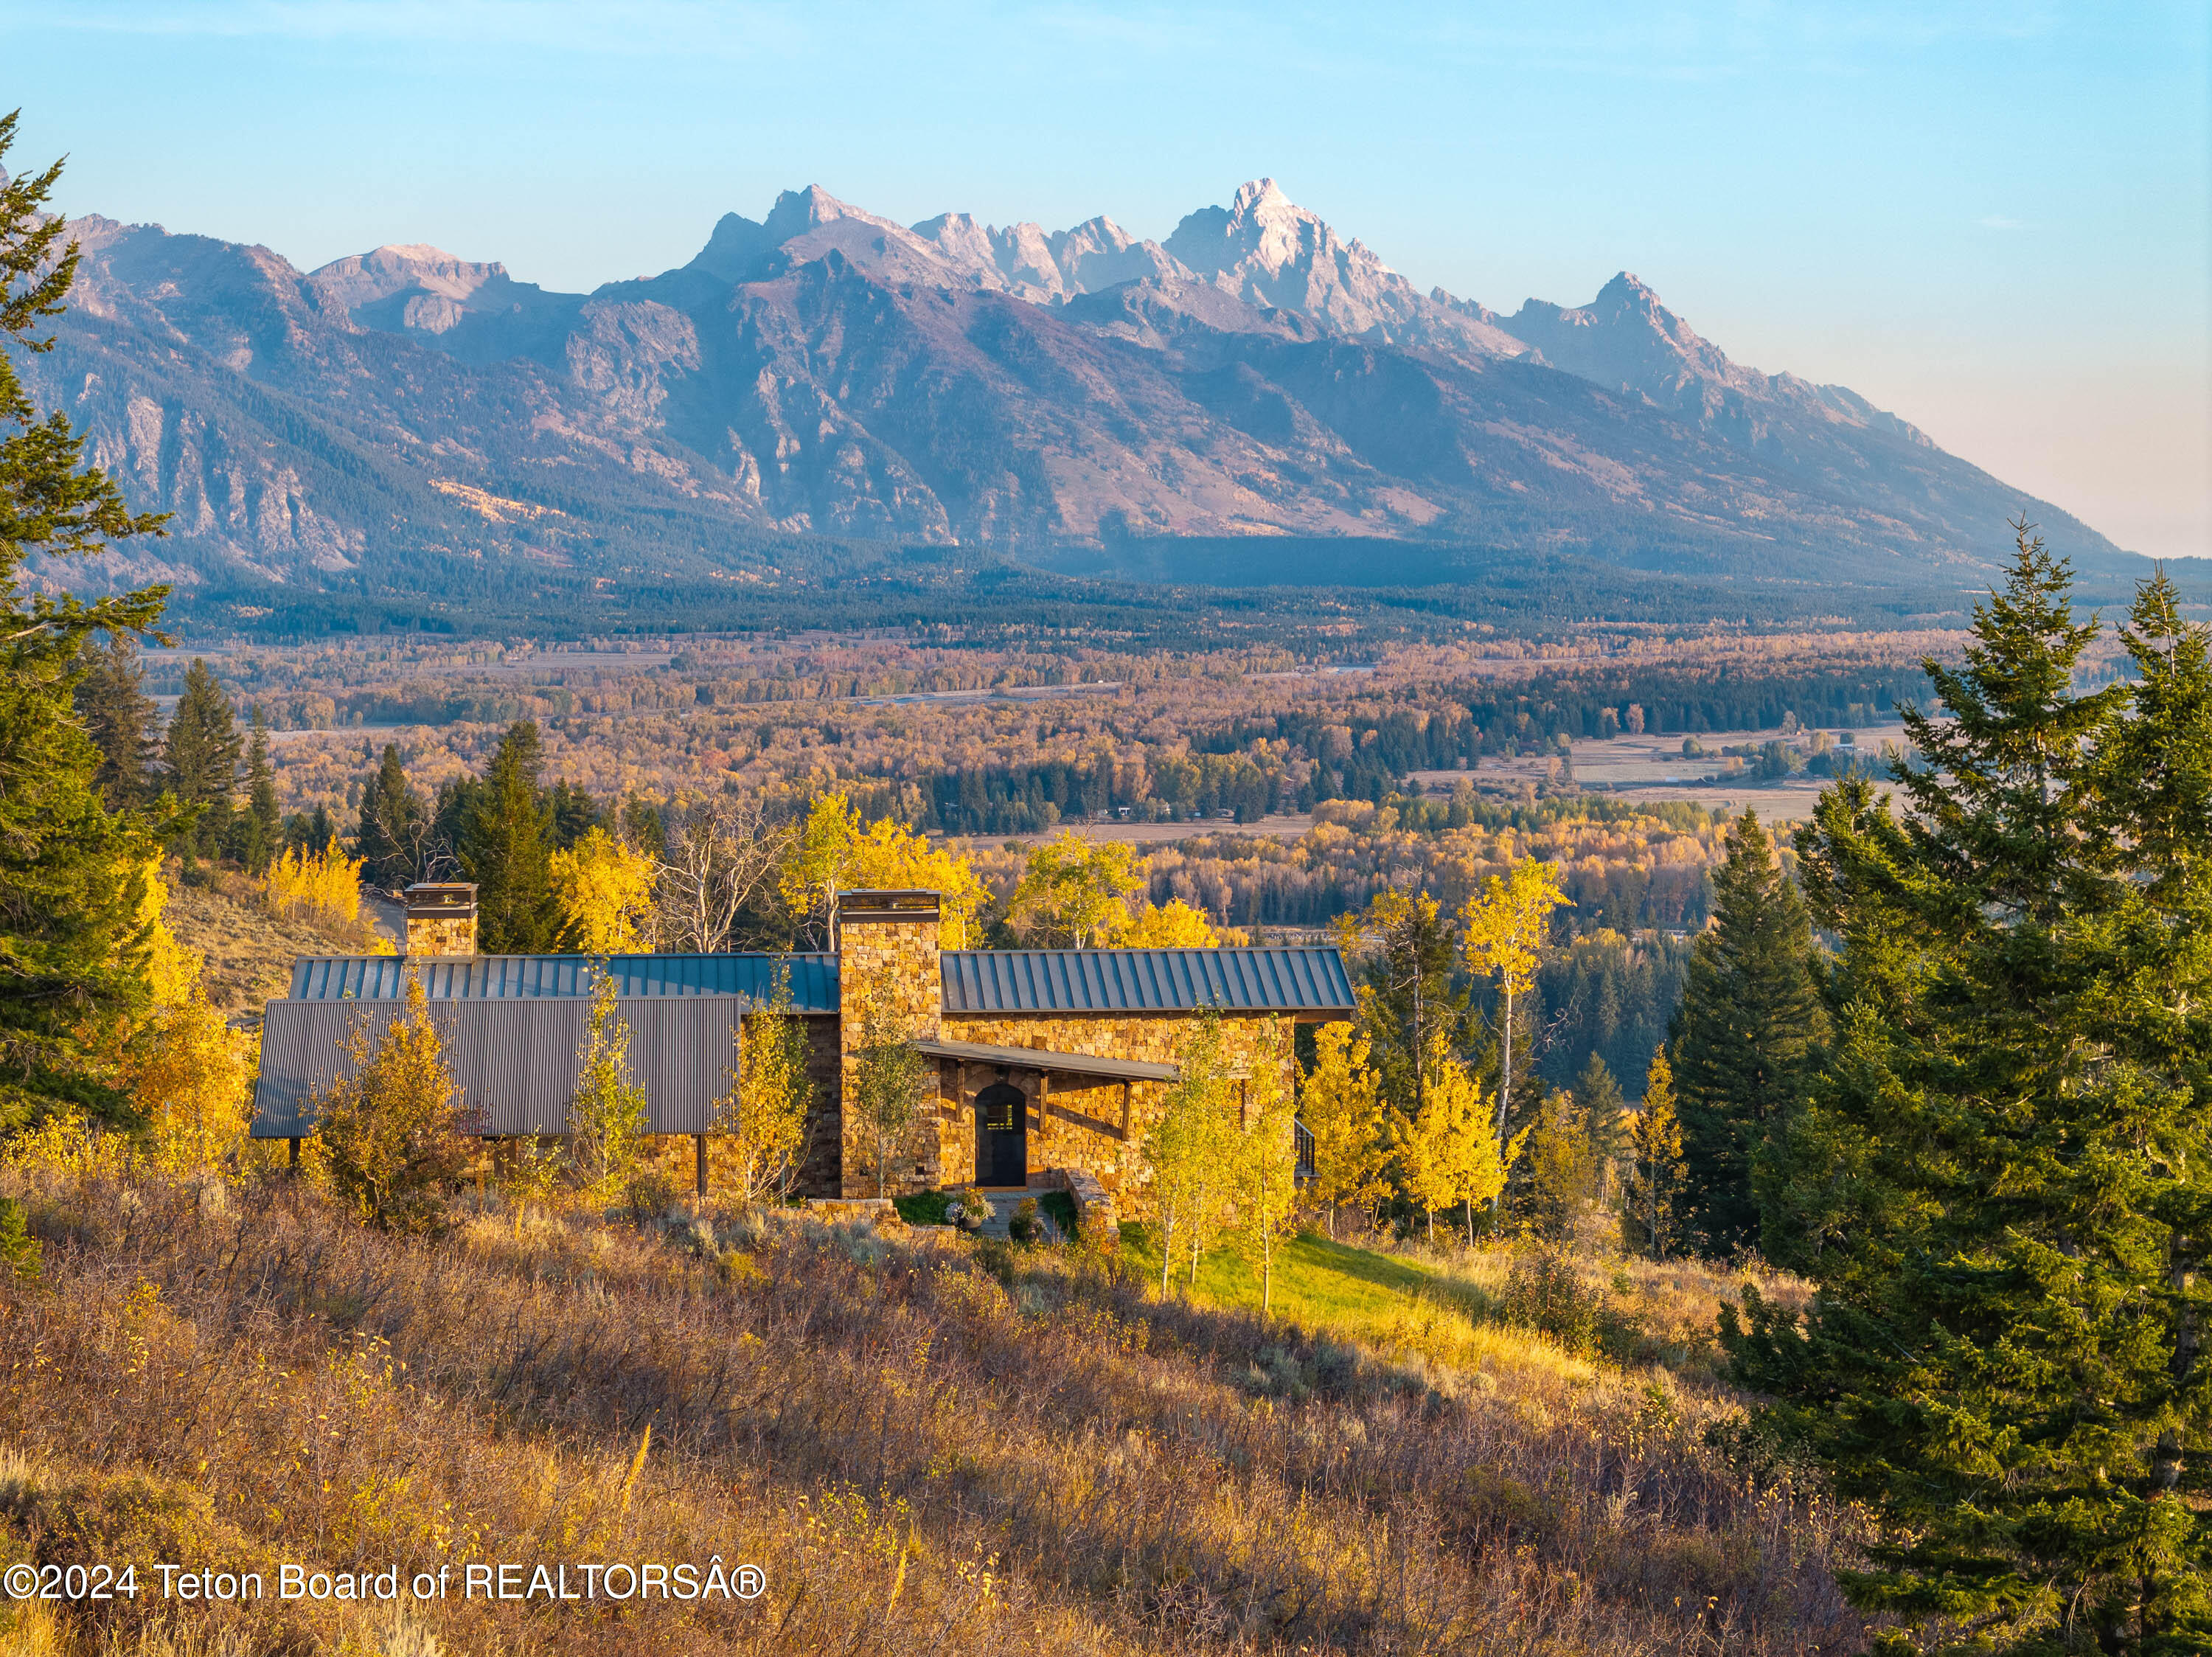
{"type": "Point", "coordinates": [982, 981]}
{"type": "Point", "coordinates": [514, 1058]}
{"type": "Point", "coordinates": [1037, 1058]}
{"type": "Point", "coordinates": [474, 977]}
{"type": "Point", "coordinates": [976, 981]}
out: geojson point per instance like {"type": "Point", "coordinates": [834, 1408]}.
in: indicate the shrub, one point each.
{"type": "Point", "coordinates": [1025, 1227]}
{"type": "Point", "coordinates": [392, 1137]}
{"type": "Point", "coordinates": [1546, 1292]}
{"type": "Point", "coordinates": [18, 1250]}
{"type": "Point", "coordinates": [926, 1208]}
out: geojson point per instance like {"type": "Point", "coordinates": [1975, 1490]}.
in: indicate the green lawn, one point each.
{"type": "Point", "coordinates": [1319, 1284]}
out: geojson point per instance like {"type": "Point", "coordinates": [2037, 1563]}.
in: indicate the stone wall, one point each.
{"type": "Point", "coordinates": [1080, 1125]}
{"type": "Point", "coordinates": [894, 961]}
{"type": "Point", "coordinates": [441, 935]}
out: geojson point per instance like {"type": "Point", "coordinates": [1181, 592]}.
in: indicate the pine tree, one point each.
{"type": "Point", "coordinates": [1744, 1034]}
{"type": "Point", "coordinates": [201, 754]}
{"type": "Point", "coordinates": [120, 719]}
{"type": "Point", "coordinates": [2002, 1182]}
{"type": "Point", "coordinates": [503, 849]}
{"type": "Point", "coordinates": [1655, 1151]}
{"type": "Point", "coordinates": [72, 872]}
{"type": "Point", "coordinates": [1605, 1108]}
{"type": "Point", "coordinates": [261, 828]}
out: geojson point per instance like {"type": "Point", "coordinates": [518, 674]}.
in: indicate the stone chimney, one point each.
{"type": "Point", "coordinates": [441, 919]}
{"type": "Point", "coordinates": [886, 945]}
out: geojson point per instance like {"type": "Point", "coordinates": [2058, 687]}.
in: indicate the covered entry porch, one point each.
{"type": "Point", "coordinates": [1009, 1093]}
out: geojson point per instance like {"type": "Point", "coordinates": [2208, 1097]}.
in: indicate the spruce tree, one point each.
{"type": "Point", "coordinates": [504, 850]}
{"type": "Point", "coordinates": [120, 719]}
{"type": "Point", "coordinates": [72, 871]}
{"type": "Point", "coordinates": [201, 754]}
{"type": "Point", "coordinates": [262, 826]}
{"type": "Point", "coordinates": [2002, 1182]}
{"type": "Point", "coordinates": [393, 825]}
{"type": "Point", "coordinates": [1749, 1016]}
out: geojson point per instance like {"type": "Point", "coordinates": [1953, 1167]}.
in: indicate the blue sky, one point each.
{"type": "Point", "coordinates": [1996, 220]}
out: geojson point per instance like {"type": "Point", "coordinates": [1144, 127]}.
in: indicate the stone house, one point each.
{"type": "Point", "coordinates": [1045, 1066]}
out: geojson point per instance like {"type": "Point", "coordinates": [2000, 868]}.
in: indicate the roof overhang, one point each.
{"type": "Point", "coordinates": [1037, 1059]}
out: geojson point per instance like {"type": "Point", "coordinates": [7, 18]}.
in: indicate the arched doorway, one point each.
{"type": "Point", "coordinates": [1002, 1138]}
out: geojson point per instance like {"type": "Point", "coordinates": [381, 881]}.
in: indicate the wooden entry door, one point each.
{"type": "Point", "coordinates": [1002, 1138]}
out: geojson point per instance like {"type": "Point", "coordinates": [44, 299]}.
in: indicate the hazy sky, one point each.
{"type": "Point", "coordinates": [1996, 220]}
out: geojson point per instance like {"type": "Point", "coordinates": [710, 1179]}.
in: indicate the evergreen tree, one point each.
{"type": "Point", "coordinates": [571, 814]}
{"type": "Point", "coordinates": [120, 719]}
{"type": "Point", "coordinates": [72, 872]}
{"type": "Point", "coordinates": [1605, 1109]}
{"type": "Point", "coordinates": [261, 827]}
{"type": "Point", "coordinates": [503, 849]}
{"type": "Point", "coordinates": [394, 825]}
{"type": "Point", "coordinates": [1409, 1008]}
{"type": "Point", "coordinates": [1744, 1032]}
{"type": "Point", "coordinates": [201, 754]}
{"type": "Point", "coordinates": [2002, 1182]}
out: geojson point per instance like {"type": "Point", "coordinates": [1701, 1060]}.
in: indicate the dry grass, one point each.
{"type": "Point", "coordinates": [927, 1445]}
{"type": "Point", "coordinates": [248, 951]}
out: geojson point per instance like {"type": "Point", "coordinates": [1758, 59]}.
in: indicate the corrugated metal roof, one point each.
{"type": "Point", "coordinates": [514, 1058]}
{"type": "Point", "coordinates": [981, 981]}
{"type": "Point", "coordinates": [493, 978]}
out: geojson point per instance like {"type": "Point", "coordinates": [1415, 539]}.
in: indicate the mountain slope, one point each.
{"type": "Point", "coordinates": [406, 420]}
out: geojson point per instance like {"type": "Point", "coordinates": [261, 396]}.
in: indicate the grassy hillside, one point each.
{"type": "Point", "coordinates": [925, 1445]}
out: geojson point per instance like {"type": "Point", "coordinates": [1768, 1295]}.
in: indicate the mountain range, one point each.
{"type": "Point", "coordinates": [406, 420]}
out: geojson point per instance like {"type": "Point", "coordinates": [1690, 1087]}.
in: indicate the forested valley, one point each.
{"type": "Point", "coordinates": [1705, 1235]}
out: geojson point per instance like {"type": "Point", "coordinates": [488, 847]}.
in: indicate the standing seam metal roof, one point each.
{"type": "Point", "coordinates": [979, 981]}
{"type": "Point", "coordinates": [975, 981]}
{"type": "Point", "coordinates": [493, 978]}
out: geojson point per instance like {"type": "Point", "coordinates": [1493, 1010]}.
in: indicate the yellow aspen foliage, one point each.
{"type": "Point", "coordinates": [1189, 1149]}
{"type": "Point", "coordinates": [1075, 891]}
{"type": "Point", "coordinates": [835, 852]}
{"type": "Point", "coordinates": [1656, 1173]}
{"type": "Point", "coordinates": [605, 892]}
{"type": "Point", "coordinates": [1445, 1154]}
{"type": "Point", "coordinates": [392, 1134]}
{"type": "Point", "coordinates": [1506, 927]}
{"type": "Point", "coordinates": [1174, 925]}
{"type": "Point", "coordinates": [323, 884]}
{"type": "Point", "coordinates": [763, 1117]}
{"type": "Point", "coordinates": [1267, 1164]}
{"type": "Point", "coordinates": [189, 1072]}
{"type": "Point", "coordinates": [1340, 1103]}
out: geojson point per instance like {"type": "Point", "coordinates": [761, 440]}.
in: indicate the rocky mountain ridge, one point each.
{"type": "Point", "coordinates": [407, 417]}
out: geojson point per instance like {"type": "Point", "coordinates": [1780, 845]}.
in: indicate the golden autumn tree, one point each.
{"type": "Point", "coordinates": [1655, 1176]}
{"type": "Point", "coordinates": [1505, 929]}
{"type": "Point", "coordinates": [764, 1116]}
{"type": "Point", "coordinates": [1075, 892]}
{"type": "Point", "coordinates": [322, 885]}
{"type": "Point", "coordinates": [1174, 925]}
{"type": "Point", "coordinates": [834, 851]}
{"type": "Point", "coordinates": [1340, 1103]}
{"type": "Point", "coordinates": [1266, 1163]}
{"type": "Point", "coordinates": [1189, 1148]}
{"type": "Point", "coordinates": [190, 1075]}
{"type": "Point", "coordinates": [390, 1134]}
{"type": "Point", "coordinates": [1445, 1155]}
{"type": "Point", "coordinates": [604, 890]}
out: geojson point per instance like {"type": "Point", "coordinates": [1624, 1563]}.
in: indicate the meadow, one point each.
{"type": "Point", "coordinates": [924, 1443]}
